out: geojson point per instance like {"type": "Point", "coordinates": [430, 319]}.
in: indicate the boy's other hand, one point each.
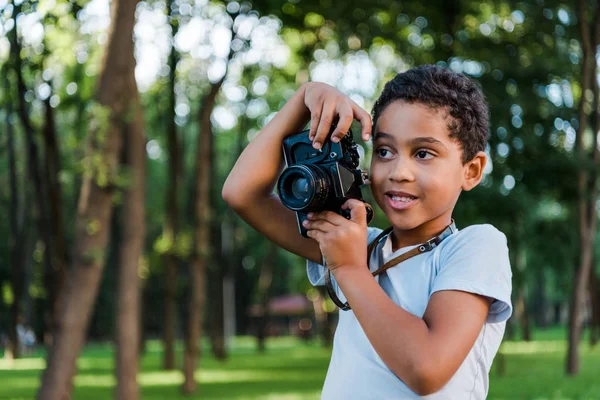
{"type": "Point", "coordinates": [343, 242]}
{"type": "Point", "coordinates": [327, 105]}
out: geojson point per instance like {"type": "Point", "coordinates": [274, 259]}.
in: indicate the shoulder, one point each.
{"type": "Point", "coordinates": [482, 247]}
{"type": "Point", "coordinates": [484, 236]}
{"type": "Point", "coordinates": [476, 260]}
{"type": "Point", "coordinates": [482, 231]}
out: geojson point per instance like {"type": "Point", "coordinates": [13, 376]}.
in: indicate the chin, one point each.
{"type": "Point", "coordinates": [405, 224]}
{"type": "Point", "coordinates": [403, 220]}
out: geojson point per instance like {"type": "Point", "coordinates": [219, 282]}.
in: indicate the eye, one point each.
{"type": "Point", "coordinates": [424, 155]}
{"type": "Point", "coordinates": [383, 153]}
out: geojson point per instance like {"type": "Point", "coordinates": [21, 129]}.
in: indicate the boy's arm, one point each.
{"type": "Point", "coordinates": [249, 186]}
{"type": "Point", "coordinates": [424, 352]}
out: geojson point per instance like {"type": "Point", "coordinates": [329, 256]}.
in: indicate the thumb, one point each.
{"type": "Point", "coordinates": [358, 212]}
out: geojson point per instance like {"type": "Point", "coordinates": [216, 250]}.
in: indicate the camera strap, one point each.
{"type": "Point", "coordinates": [422, 248]}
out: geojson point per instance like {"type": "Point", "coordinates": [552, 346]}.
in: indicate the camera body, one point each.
{"type": "Point", "coordinates": [319, 180]}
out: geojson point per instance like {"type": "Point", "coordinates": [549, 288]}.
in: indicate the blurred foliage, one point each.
{"type": "Point", "coordinates": [525, 55]}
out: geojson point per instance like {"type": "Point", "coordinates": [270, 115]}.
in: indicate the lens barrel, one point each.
{"type": "Point", "coordinates": [303, 187]}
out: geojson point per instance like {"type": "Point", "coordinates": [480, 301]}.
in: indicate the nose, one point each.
{"type": "Point", "coordinates": [402, 170]}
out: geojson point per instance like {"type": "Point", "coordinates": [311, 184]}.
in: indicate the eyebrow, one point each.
{"type": "Point", "coordinates": [415, 141]}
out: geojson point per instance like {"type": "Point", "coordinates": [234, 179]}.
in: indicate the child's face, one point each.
{"type": "Point", "coordinates": [416, 169]}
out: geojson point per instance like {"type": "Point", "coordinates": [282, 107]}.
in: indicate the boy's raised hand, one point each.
{"type": "Point", "coordinates": [343, 243]}
{"type": "Point", "coordinates": [326, 105]}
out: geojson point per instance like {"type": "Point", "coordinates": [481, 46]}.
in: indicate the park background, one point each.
{"type": "Point", "coordinates": [123, 274]}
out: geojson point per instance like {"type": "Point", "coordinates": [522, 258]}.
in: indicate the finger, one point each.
{"type": "Point", "coordinates": [358, 212]}
{"type": "Point", "coordinates": [314, 122]}
{"type": "Point", "coordinates": [324, 125]}
{"type": "Point", "coordinates": [314, 234]}
{"type": "Point", "coordinates": [365, 121]}
{"type": "Point", "coordinates": [343, 125]}
{"type": "Point", "coordinates": [319, 225]}
{"type": "Point", "coordinates": [329, 216]}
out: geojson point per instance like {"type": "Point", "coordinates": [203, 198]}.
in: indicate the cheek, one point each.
{"type": "Point", "coordinates": [376, 176]}
{"type": "Point", "coordinates": [446, 182]}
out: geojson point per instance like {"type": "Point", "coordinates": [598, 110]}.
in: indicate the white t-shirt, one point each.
{"type": "Point", "coordinates": [474, 259]}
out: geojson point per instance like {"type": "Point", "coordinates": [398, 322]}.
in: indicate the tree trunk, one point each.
{"type": "Point", "coordinates": [92, 223]}
{"type": "Point", "coordinates": [521, 306]}
{"type": "Point", "coordinates": [519, 262]}
{"type": "Point", "coordinates": [323, 317]}
{"type": "Point", "coordinates": [56, 276]}
{"type": "Point", "coordinates": [16, 241]}
{"type": "Point", "coordinates": [33, 164]}
{"type": "Point", "coordinates": [201, 256]}
{"type": "Point", "coordinates": [202, 210]}
{"type": "Point", "coordinates": [540, 303]}
{"type": "Point", "coordinates": [510, 334]}
{"type": "Point", "coordinates": [264, 294]}
{"type": "Point", "coordinates": [522, 312]}
{"type": "Point", "coordinates": [215, 290]}
{"type": "Point", "coordinates": [80, 103]}
{"type": "Point", "coordinates": [500, 363]}
{"type": "Point", "coordinates": [171, 227]}
{"type": "Point", "coordinates": [131, 252]}
{"type": "Point", "coordinates": [219, 266]}
{"type": "Point", "coordinates": [587, 188]}
{"type": "Point", "coordinates": [595, 303]}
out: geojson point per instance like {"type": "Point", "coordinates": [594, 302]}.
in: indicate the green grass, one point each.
{"type": "Point", "coordinates": [292, 369]}
{"type": "Point", "coordinates": [535, 370]}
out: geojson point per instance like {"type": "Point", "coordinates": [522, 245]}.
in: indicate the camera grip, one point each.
{"type": "Point", "coordinates": [370, 212]}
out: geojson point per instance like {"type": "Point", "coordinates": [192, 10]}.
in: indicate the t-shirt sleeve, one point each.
{"type": "Point", "coordinates": [316, 272]}
{"type": "Point", "coordinates": [477, 261]}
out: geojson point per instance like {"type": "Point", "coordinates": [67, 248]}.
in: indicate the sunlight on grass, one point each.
{"type": "Point", "coordinates": [165, 378]}
{"type": "Point", "coordinates": [291, 369]}
{"type": "Point", "coordinates": [214, 376]}
{"type": "Point", "coordinates": [95, 380]}
{"type": "Point", "coordinates": [285, 396]}
{"type": "Point", "coordinates": [533, 347]}
{"type": "Point", "coordinates": [23, 364]}
{"type": "Point", "coordinates": [234, 376]}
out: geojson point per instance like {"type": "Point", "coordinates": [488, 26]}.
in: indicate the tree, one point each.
{"type": "Point", "coordinates": [17, 233]}
{"type": "Point", "coordinates": [58, 249]}
{"type": "Point", "coordinates": [587, 181]}
{"type": "Point", "coordinates": [200, 258]}
{"type": "Point", "coordinates": [171, 225]}
{"type": "Point", "coordinates": [33, 164]}
{"type": "Point", "coordinates": [264, 294]}
{"type": "Point", "coordinates": [203, 176]}
{"type": "Point", "coordinates": [92, 225]}
{"type": "Point", "coordinates": [131, 249]}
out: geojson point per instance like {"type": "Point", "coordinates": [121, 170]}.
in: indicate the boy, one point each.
{"type": "Point", "coordinates": [432, 324]}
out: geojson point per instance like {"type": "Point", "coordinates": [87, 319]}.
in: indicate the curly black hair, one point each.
{"type": "Point", "coordinates": [441, 88]}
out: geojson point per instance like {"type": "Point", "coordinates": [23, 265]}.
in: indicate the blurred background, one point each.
{"type": "Point", "coordinates": [124, 275]}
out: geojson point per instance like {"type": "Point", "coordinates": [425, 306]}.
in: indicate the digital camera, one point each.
{"type": "Point", "coordinates": [318, 180]}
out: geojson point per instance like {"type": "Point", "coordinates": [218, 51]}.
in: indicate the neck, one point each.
{"type": "Point", "coordinates": [420, 234]}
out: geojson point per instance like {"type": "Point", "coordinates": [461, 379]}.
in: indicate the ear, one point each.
{"type": "Point", "coordinates": [473, 171]}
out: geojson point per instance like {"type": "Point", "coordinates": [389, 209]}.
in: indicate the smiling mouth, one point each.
{"type": "Point", "coordinates": [400, 202]}
{"type": "Point", "coordinates": [405, 199]}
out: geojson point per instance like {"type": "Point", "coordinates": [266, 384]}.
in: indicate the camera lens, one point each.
{"type": "Point", "coordinates": [303, 187]}
{"type": "Point", "coordinates": [300, 188]}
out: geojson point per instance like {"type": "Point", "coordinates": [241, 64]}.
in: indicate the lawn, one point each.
{"type": "Point", "coordinates": [292, 369]}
